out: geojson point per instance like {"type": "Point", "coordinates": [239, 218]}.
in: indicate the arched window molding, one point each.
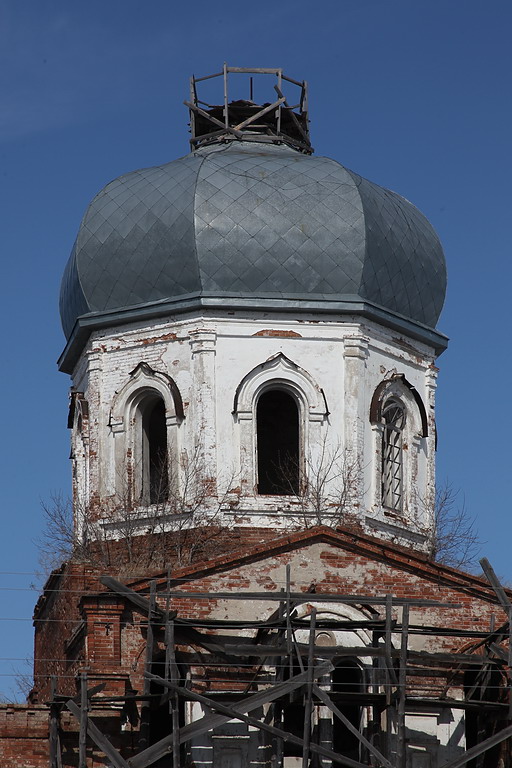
{"type": "Point", "coordinates": [400, 427]}
{"type": "Point", "coordinates": [350, 674]}
{"type": "Point", "coordinates": [280, 367]}
{"type": "Point", "coordinates": [278, 373]}
{"type": "Point", "coordinates": [141, 429]}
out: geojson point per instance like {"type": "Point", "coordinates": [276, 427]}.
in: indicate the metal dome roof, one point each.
{"type": "Point", "coordinates": [255, 226]}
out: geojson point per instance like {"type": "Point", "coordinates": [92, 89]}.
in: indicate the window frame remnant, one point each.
{"type": "Point", "coordinates": [393, 420]}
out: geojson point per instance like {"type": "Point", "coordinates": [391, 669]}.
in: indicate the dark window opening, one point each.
{"type": "Point", "coordinates": [155, 479]}
{"type": "Point", "coordinates": [482, 685]}
{"type": "Point", "coordinates": [293, 715]}
{"type": "Point", "coordinates": [347, 687]}
{"type": "Point", "coordinates": [277, 429]}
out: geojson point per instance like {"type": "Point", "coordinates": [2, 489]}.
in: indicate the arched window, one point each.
{"type": "Point", "coordinates": [393, 418]}
{"type": "Point", "coordinates": [277, 438]}
{"type": "Point", "coordinates": [155, 466]}
{"type": "Point", "coordinates": [347, 681]}
{"type": "Point", "coordinates": [145, 417]}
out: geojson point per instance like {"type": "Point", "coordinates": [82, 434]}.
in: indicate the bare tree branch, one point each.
{"type": "Point", "coordinates": [455, 540]}
{"type": "Point", "coordinates": [329, 482]}
{"type": "Point", "coordinates": [185, 523]}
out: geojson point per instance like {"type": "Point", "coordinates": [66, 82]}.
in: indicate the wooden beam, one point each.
{"type": "Point", "coordinates": [90, 693]}
{"type": "Point", "coordinates": [232, 651]}
{"type": "Point", "coordinates": [401, 756]}
{"type": "Point", "coordinates": [248, 704]}
{"type": "Point", "coordinates": [388, 646]}
{"type": "Point", "coordinates": [232, 712]}
{"type": "Point", "coordinates": [54, 738]}
{"type": "Point", "coordinates": [309, 597]}
{"type": "Point", "coordinates": [259, 114]}
{"type": "Point", "coordinates": [134, 598]}
{"type": "Point", "coordinates": [309, 693]}
{"type": "Point", "coordinates": [479, 749]}
{"type": "Point", "coordinates": [326, 699]}
{"type": "Point", "coordinates": [507, 607]}
{"type": "Point", "coordinates": [172, 673]}
{"type": "Point", "coordinates": [191, 636]}
{"type": "Point", "coordinates": [82, 737]}
{"type": "Point", "coordinates": [99, 739]}
{"type": "Point", "coordinates": [293, 115]}
{"type": "Point", "coordinates": [145, 713]}
{"type": "Point", "coordinates": [495, 584]}
{"type": "Point", "coordinates": [213, 119]}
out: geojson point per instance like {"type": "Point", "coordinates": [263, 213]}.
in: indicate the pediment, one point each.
{"type": "Point", "coordinates": [323, 560]}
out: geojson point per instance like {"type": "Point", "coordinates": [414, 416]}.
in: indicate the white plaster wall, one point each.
{"type": "Point", "coordinates": [208, 356]}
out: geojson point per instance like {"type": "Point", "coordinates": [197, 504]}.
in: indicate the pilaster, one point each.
{"type": "Point", "coordinates": [202, 428]}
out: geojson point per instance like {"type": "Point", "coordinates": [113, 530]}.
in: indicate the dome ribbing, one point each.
{"type": "Point", "coordinates": [249, 224]}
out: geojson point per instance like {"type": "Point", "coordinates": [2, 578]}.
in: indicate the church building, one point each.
{"type": "Point", "coordinates": [251, 339]}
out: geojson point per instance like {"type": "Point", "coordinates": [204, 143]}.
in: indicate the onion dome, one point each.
{"type": "Point", "coordinates": [253, 225]}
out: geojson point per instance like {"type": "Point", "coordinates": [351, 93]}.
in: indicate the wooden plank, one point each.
{"type": "Point", "coordinates": [259, 114]}
{"type": "Point", "coordinates": [327, 701]}
{"type": "Point", "coordinates": [309, 693]}
{"type": "Point", "coordinates": [82, 737]}
{"type": "Point", "coordinates": [475, 705]}
{"type": "Point", "coordinates": [335, 624]}
{"type": "Point", "coordinates": [293, 116]}
{"type": "Point", "coordinates": [507, 607]}
{"type": "Point", "coordinates": [309, 597]}
{"type": "Point", "coordinates": [99, 739]}
{"type": "Point", "coordinates": [276, 711]}
{"type": "Point", "coordinates": [248, 704]}
{"type": "Point", "coordinates": [226, 99]}
{"type": "Point", "coordinates": [54, 740]}
{"type": "Point", "coordinates": [479, 749]}
{"type": "Point", "coordinates": [232, 712]}
{"type": "Point", "coordinates": [249, 71]}
{"type": "Point", "coordinates": [258, 651]}
{"type": "Point", "coordinates": [146, 711]}
{"type": "Point", "coordinates": [90, 693]}
{"type": "Point", "coordinates": [288, 618]}
{"type": "Point", "coordinates": [280, 85]}
{"type": "Point", "coordinates": [391, 678]}
{"type": "Point", "coordinates": [193, 637]}
{"type": "Point", "coordinates": [401, 756]}
{"type": "Point", "coordinates": [388, 646]}
{"type": "Point", "coordinates": [295, 82]}
{"type": "Point", "coordinates": [172, 673]}
{"type": "Point", "coordinates": [206, 77]}
{"type": "Point", "coordinates": [495, 584]}
{"type": "Point", "coordinates": [133, 597]}
{"type": "Point", "coordinates": [212, 119]}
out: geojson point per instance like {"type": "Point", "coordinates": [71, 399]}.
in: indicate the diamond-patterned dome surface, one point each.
{"type": "Point", "coordinates": [256, 223]}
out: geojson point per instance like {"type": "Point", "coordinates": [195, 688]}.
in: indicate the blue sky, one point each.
{"type": "Point", "coordinates": [412, 94]}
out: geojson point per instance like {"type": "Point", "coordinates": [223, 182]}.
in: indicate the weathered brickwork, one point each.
{"type": "Point", "coordinates": [82, 626]}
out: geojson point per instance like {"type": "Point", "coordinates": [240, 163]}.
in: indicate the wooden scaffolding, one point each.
{"type": "Point", "coordinates": [255, 679]}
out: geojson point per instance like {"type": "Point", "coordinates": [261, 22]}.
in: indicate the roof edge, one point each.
{"type": "Point", "coordinates": [345, 305]}
{"type": "Point", "coordinates": [393, 554]}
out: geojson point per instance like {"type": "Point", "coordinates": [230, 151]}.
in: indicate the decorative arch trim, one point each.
{"type": "Point", "coordinates": [385, 388]}
{"type": "Point", "coordinates": [144, 377]}
{"type": "Point", "coordinates": [277, 370]}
